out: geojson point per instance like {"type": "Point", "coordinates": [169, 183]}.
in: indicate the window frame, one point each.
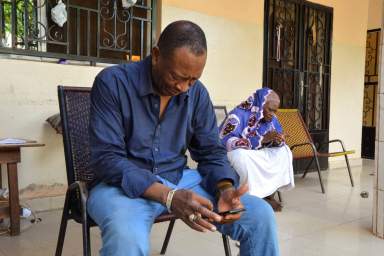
{"type": "Point", "coordinates": [20, 53]}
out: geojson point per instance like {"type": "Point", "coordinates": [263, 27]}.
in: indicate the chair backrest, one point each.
{"type": "Point", "coordinates": [74, 105]}
{"type": "Point", "coordinates": [294, 126]}
{"type": "Point", "coordinates": [221, 113]}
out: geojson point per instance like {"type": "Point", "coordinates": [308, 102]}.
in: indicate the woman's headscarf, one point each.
{"type": "Point", "coordinates": [244, 128]}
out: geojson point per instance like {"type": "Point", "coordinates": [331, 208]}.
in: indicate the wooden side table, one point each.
{"type": "Point", "coordinates": [10, 155]}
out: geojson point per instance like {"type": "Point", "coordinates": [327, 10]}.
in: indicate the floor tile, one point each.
{"type": "Point", "coordinates": [311, 224]}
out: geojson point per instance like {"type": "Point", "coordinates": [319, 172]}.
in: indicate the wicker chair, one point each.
{"type": "Point", "coordinates": [301, 144]}
{"type": "Point", "coordinates": [74, 105]}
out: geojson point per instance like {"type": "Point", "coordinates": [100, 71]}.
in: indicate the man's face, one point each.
{"type": "Point", "coordinates": [270, 108]}
{"type": "Point", "coordinates": [174, 74]}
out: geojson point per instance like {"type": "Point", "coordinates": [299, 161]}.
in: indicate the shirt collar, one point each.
{"type": "Point", "coordinates": [145, 85]}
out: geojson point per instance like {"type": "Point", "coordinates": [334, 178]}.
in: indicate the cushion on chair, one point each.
{"type": "Point", "coordinates": [55, 122]}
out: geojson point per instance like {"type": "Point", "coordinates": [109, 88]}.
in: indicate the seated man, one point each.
{"type": "Point", "coordinates": [144, 116]}
{"type": "Point", "coordinates": [255, 143]}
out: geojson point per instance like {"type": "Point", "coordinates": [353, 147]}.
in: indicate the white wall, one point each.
{"type": "Point", "coordinates": [235, 48]}
{"type": "Point", "coordinates": [235, 44]}
{"type": "Point", "coordinates": [375, 13]}
{"type": "Point", "coordinates": [348, 68]}
{"type": "Point", "coordinates": [28, 95]}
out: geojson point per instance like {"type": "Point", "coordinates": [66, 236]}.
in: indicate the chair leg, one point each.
{"type": "Point", "coordinates": [167, 236]}
{"type": "Point", "coordinates": [279, 196]}
{"type": "Point", "coordinates": [63, 227]}
{"type": "Point", "coordinates": [227, 247]}
{"type": "Point", "coordinates": [346, 160]}
{"type": "Point", "coordinates": [315, 157]}
{"type": "Point", "coordinates": [319, 172]}
{"type": "Point", "coordinates": [307, 168]}
{"type": "Point", "coordinates": [86, 230]}
{"type": "Point", "coordinates": [86, 240]}
{"type": "Point", "coordinates": [349, 170]}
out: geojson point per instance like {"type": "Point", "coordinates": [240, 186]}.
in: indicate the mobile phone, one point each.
{"type": "Point", "coordinates": [233, 211]}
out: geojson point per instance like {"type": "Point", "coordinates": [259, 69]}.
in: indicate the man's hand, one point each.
{"type": "Point", "coordinates": [230, 199]}
{"type": "Point", "coordinates": [186, 202]}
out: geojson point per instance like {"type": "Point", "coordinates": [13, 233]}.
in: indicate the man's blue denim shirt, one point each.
{"type": "Point", "coordinates": [130, 144]}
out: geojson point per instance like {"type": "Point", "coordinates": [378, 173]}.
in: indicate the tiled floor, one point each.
{"type": "Point", "coordinates": [337, 223]}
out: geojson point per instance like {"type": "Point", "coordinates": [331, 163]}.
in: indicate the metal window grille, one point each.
{"type": "Point", "coordinates": [95, 30]}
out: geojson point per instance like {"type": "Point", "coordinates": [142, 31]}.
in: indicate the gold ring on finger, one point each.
{"type": "Point", "coordinates": [197, 217]}
{"type": "Point", "coordinates": [192, 217]}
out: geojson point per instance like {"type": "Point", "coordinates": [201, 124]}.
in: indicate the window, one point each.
{"type": "Point", "coordinates": [95, 30]}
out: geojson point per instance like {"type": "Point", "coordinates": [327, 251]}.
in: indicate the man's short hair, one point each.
{"type": "Point", "coordinates": [182, 33]}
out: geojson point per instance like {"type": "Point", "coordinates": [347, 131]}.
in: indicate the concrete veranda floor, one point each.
{"type": "Point", "coordinates": [311, 223]}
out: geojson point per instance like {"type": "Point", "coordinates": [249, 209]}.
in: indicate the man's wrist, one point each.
{"type": "Point", "coordinates": [164, 196]}
{"type": "Point", "coordinates": [157, 192]}
{"type": "Point", "coordinates": [222, 186]}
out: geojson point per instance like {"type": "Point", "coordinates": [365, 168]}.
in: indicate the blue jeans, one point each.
{"type": "Point", "coordinates": [126, 223]}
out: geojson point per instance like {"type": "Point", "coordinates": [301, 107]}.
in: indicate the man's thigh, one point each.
{"type": "Point", "coordinates": [105, 199]}
{"type": "Point", "coordinates": [125, 223]}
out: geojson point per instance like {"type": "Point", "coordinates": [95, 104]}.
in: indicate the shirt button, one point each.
{"type": "Point", "coordinates": [156, 149]}
{"type": "Point", "coordinates": [155, 169]}
{"type": "Point", "coordinates": [156, 105]}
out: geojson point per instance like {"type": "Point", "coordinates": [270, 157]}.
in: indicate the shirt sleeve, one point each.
{"type": "Point", "coordinates": [232, 128]}
{"type": "Point", "coordinates": [108, 149]}
{"type": "Point", "coordinates": [206, 149]}
{"type": "Point", "coordinates": [277, 126]}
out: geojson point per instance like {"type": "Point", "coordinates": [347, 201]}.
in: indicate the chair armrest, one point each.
{"type": "Point", "coordinates": [82, 189]}
{"type": "Point", "coordinates": [335, 140]}
{"type": "Point", "coordinates": [330, 142]}
{"type": "Point", "coordinates": [301, 144]}
{"type": "Point", "coordinates": [314, 150]}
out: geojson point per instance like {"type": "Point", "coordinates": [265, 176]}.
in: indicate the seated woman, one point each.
{"type": "Point", "coordinates": [256, 149]}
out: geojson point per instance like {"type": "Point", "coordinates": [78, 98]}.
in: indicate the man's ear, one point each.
{"type": "Point", "coordinates": [155, 55]}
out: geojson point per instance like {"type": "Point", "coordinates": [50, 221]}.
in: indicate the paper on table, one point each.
{"type": "Point", "coordinates": [12, 141]}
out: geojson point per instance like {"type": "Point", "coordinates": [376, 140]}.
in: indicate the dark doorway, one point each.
{"type": "Point", "coordinates": [370, 90]}
{"type": "Point", "coordinates": [297, 61]}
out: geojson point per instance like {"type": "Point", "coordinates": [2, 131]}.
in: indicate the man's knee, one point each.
{"type": "Point", "coordinates": [122, 237]}
{"type": "Point", "coordinates": [260, 227]}
{"type": "Point", "coordinates": [259, 213]}
{"type": "Point", "coordinates": [257, 226]}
